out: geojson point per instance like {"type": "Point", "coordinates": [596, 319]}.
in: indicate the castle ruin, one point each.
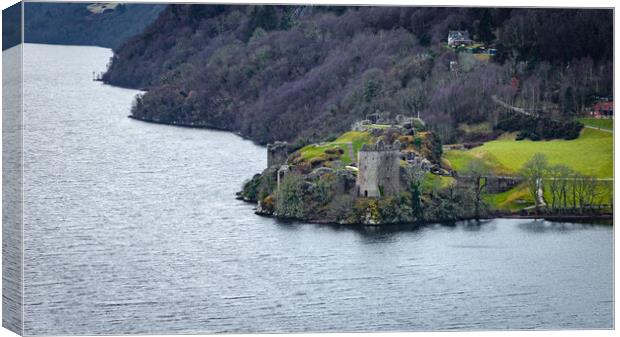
{"type": "Point", "coordinates": [379, 170]}
{"type": "Point", "coordinates": [280, 174]}
{"type": "Point", "coordinates": [277, 153]}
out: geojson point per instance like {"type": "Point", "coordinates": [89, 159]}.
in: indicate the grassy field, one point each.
{"type": "Point", "coordinates": [607, 124]}
{"type": "Point", "coordinates": [356, 138]}
{"type": "Point", "coordinates": [512, 200]}
{"type": "Point", "coordinates": [591, 153]}
{"type": "Point", "coordinates": [519, 197]}
{"type": "Point", "coordinates": [432, 181]}
{"type": "Point", "coordinates": [459, 160]}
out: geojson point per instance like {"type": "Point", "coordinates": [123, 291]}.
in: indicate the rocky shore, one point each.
{"type": "Point", "coordinates": [378, 174]}
{"type": "Point", "coordinates": [375, 174]}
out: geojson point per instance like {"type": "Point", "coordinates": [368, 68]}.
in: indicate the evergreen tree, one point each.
{"type": "Point", "coordinates": [485, 27]}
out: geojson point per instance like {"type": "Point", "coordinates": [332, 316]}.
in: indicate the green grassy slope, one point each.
{"type": "Point", "coordinates": [356, 138]}
{"type": "Point", "coordinates": [591, 153]}
{"type": "Point", "coordinates": [607, 124]}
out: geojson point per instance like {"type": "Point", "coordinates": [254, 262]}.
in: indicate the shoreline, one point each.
{"type": "Point", "coordinates": [594, 219]}
{"type": "Point", "coordinates": [580, 218]}
{"type": "Point", "coordinates": [589, 219]}
{"type": "Point", "coordinates": [556, 217]}
{"type": "Point", "coordinates": [193, 126]}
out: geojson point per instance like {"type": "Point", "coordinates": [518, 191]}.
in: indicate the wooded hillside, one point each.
{"type": "Point", "coordinates": [308, 72]}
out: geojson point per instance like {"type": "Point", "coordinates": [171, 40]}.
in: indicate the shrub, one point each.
{"type": "Point", "coordinates": [341, 208]}
{"type": "Point", "coordinates": [450, 204]}
{"type": "Point", "coordinates": [317, 161]}
{"type": "Point", "coordinates": [268, 204]}
{"type": "Point", "coordinates": [290, 197]}
{"type": "Point", "coordinates": [335, 150]}
{"type": "Point", "coordinates": [538, 128]}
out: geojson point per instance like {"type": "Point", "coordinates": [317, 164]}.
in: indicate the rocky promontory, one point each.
{"type": "Point", "coordinates": [374, 174]}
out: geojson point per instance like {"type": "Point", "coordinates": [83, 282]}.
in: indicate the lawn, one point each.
{"type": "Point", "coordinates": [459, 161]}
{"type": "Point", "coordinates": [314, 150]}
{"type": "Point", "coordinates": [512, 200]}
{"type": "Point", "coordinates": [607, 124]}
{"type": "Point", "coordinates": [591, 153]}
{"type": "Point", "coordinates": [432, 181]}
{"type": "Point", "coordinates": [519, 196]}
{"type": "Point", "coordinates": [356, 138]}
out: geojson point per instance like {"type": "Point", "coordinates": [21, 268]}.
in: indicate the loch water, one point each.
{"type": "Point", "coordinates": [132, 227]}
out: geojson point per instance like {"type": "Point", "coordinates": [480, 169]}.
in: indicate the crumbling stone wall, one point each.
{"type": "Point", "coordinates": [282, 172]}
{"type": "Point", "coordinates": [501, 184]}
{"type": "Point", "coordinates": [496, 184]}
{"type": "Point", "coordinates": [277, 153]}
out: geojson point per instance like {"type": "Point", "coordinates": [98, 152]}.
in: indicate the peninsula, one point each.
{"type": "Point", "coordinates": [396, 171]}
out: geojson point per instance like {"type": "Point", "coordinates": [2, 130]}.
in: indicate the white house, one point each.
{"type": "Point", "coordinates": [458, 37]}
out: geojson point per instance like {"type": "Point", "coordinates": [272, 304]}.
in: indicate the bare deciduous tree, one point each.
{"type": "Point", "coordinates": [533, 172]}
{"type": "Point", "coordinates": [478, 171]}
{"type": "Point", "coordinates": [558, 179]}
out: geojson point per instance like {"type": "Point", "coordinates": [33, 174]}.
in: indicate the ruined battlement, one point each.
{"type": "Point", "coordinates": [381, 146]}
{"type": "Point", "coordinates": [277, 153]}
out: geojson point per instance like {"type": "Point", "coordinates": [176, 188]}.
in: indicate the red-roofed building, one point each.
{"type": "Point", "coordinates": [603, 110]}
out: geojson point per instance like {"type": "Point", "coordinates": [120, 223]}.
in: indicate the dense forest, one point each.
{"type": "Point", "coordinates": [304, 73]}
{"type": "Point", "coordinates": [102, 24]}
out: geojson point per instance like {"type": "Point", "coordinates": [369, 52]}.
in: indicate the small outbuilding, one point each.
{"type": "Point", "coordinates": [603, 110]}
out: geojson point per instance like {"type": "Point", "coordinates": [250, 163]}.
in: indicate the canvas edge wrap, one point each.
{"type": "Point", "coordinates": [12, 169]}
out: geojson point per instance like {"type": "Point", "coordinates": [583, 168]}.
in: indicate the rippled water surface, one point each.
{"type": "Point", "coordinates": [133, 227]}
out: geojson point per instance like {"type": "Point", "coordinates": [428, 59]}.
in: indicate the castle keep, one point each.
{"type": "Point", "coordinates": [379, 170]}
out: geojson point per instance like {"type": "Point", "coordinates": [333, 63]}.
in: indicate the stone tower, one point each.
{"type": "Point", "coordinates": [277, 153]}
{"type": "Point", "coordinates": [379, 170]}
